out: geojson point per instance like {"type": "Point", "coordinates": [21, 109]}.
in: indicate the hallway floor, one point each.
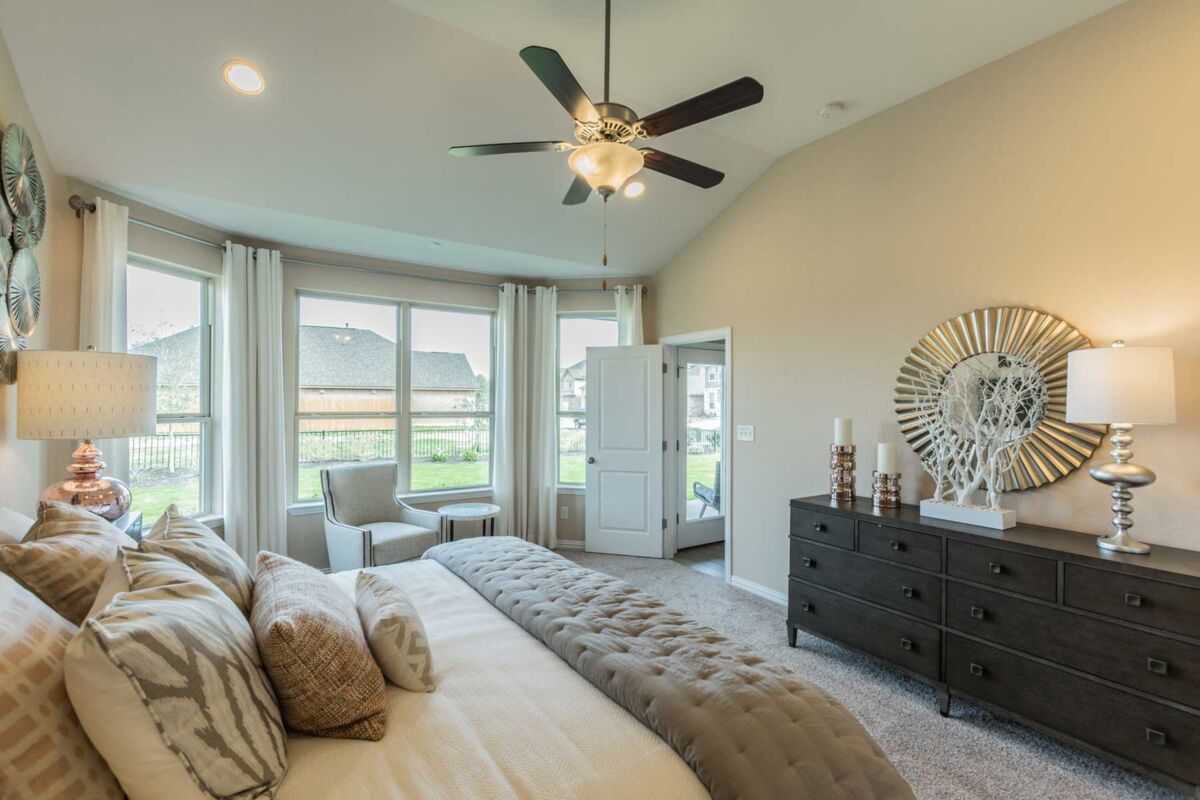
{"type": "Point", "coordinates": [707, 558]}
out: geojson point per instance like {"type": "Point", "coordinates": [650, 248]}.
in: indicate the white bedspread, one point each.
{"type": "Point", "coordinates": [508, 719]}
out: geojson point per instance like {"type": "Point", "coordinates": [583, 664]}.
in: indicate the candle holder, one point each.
{"type": "Point", "coordinates": [841, 474]}
{"type": "Point", "coordinates": [885, 489]}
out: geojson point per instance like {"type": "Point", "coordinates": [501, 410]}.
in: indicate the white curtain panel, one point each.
{"type": "Point", "coordinates": [252, 428]}
{"type": "Point", "coordinates": [102, 317]}
{"type": "Point", "coordinates": [526, 413]}
{"type": "Point", "coordinates": [629, 315]}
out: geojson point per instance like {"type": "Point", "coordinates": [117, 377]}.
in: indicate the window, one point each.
{"type": "Point", "coordinates": [575, 336]}
{"type": "Point", "coordinates": [167, 313]}
{"type": "Point", "coordinates": [435, 422]}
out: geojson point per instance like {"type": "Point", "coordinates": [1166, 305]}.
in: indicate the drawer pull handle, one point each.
{"type": "Point", "coordinates": [995, 568]}
{"type": "Point", "coordinates": [898, 546]}
{"type": "Point", "coordinates": [1134, 600]}
{"type": "Point", "coordinates": [1156, 737]}
{"type": "Point", "coordinates": [818, 526]}
{"type": "Point", "coordinates": [808, 562]}
{"type": "Point", "coordinates": [976, 612]}
{"type": "Point", "coordinates": [906, 644]}
{"type": "Point", "coordinates": [1157, 666]}
{"type": "Point", "coordinates": [977, 670]}
{"type": "Point", "coordinates": [907, 591]}
{"type": "Point", "coordinates": [805, 606]}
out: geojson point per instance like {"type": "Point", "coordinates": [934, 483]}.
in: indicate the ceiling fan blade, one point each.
{"type": "Point", "coordinates": [578, 193]}
{"type": "Point", "coordinates": [730, 97]}
{"type": "Point", "coordinates": [510, 147]}
{"type": "Point", "coordinates": [682, 169]}
{"type": "Point", "coordinates": [551, 70]}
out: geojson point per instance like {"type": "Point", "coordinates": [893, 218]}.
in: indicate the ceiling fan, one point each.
{"type": "Point", "coordinates": [605, 159]}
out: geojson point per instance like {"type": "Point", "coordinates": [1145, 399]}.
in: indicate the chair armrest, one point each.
{"type": "Point", "coordinates": [417, 516]}
{"type": "Point", "coordinates": [349, 547]}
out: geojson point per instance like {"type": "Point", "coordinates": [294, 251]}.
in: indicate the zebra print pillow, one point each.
{"type": "Point", "coordinates": [196, 545]}
{"type": "Point", "coordinates": [168, 684]}
{"type": "Point", "coordinates": [394, 632]}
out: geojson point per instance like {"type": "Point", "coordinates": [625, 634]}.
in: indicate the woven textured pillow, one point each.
{"type": "Point", "coordinates": [44, 752]}
{"type": "Point", "coordinates": [394, 632]}
{"type": "Point", "coordinates": [63, 557]}
{"type": "Point", "coordinates": [168, 683]}
{"type": "Point", "coordinates": [312, 644]}
{"type": "Point", "coordinates": [195, 544]}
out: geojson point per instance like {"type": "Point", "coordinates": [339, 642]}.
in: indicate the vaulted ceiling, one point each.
{"type": "Point", "coordinates": [346, 148]}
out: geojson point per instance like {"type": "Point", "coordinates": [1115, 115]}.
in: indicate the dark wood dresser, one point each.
{"type": "Point", "coordinates": [1099, 649]}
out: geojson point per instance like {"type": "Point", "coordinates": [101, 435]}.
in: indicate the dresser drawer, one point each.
{"type": "Point", "coordinates": [1148, 602]}
{"type": "Point", "coordinates": [902, 641]}
{"type": "Point", "coordinates": [1121, 723]}
{"type": "Point", "coordinates": [1005, 569]}
{"type": "Point", "coordinates": [892, 586]}
{"type": "Point", "coordinates": [825, 528]}
{"type": "Point", "coordinates": [920, 550]}
{"type": "Point", "coordinates": [1157, 665]}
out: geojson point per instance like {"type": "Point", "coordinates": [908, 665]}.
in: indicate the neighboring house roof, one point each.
{"type": "Point", "coordinates": [342, 357]}
{"type": "Point", "coordinates": [576, 370]}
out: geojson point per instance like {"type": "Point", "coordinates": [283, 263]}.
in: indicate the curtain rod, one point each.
{"type": "Point", "coordinates": [80, 205]}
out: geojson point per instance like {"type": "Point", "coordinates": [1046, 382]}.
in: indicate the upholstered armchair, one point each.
{"type": "Point", "coordinates": [365, 525]}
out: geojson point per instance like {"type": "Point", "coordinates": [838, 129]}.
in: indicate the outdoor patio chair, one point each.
{"type": "Point", "coordinates": [709, 496]}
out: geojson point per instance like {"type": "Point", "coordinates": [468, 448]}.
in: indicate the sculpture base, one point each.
{"type": "Point", "coordinates": [1123, 543]}
{"type": "Point", "coordinates": [1000, 520]}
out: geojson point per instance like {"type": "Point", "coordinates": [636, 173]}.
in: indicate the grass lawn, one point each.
{"type": "Point", "coordinates": [427, 476]}
{"type": "Point", "coordinates": [152, 501]}
{"type": "Point", "coordinates": [699, 468]}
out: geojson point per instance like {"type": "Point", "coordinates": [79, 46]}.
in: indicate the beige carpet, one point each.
{"type": "Point", "coordinates": [971, 755]}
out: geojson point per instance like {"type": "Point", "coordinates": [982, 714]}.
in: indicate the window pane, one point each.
{"type": "Point", "coordinates": [450, 453]}
{"type": "Point", "coordinates": [703, 440]}
{"type": "Point", "coordinates": [330, 442]}
{"type": "Point", "coordinates": [571, 449]}
{"type": "Point", "coordinates": [347, 356]}
{"type": "Point", "coordinates": [164, 316]}
{"type": "Point", "coordinates": [575, 336]}
{"type": "Point", "coordinates": [166, 468]}
{"type": "Point", "coordinates": [451, 361]}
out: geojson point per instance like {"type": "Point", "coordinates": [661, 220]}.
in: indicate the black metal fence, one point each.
{"type": "Point", "coordinates": [168, 453]}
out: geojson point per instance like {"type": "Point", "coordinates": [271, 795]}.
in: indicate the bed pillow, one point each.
{"type": "Point", "coordinates": [63, 557]}
{"type": "Point", "coordinates": [13, 525]}
{"type": "Point", "coordinates": [196, 545]}
{"type": "Point", "coordinates": [44, 752]}
{"type": "Point", "coordinates": [394, 632]}
{"type": "Point", "coordinates": [312, 644]}
{"type": "Point", "coordinates": [168, 684]}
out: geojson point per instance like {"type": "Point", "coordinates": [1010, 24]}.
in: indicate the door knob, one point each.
{"type": "Point", "coordinates": [591, 460]}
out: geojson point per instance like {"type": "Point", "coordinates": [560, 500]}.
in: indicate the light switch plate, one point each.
{"type": "Point", "coordinates": [562, 512]}
{"type": "Point", "coordinates": [745, 433]}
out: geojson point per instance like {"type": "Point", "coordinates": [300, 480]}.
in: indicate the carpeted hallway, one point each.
{"type": "Point", "coordinates": [970, 756]}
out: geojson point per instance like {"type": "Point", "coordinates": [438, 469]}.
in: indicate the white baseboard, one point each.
{"type": "Point", "coordinates": [569, 544]}
{"type": "Point", "coordinates": [758, 589]}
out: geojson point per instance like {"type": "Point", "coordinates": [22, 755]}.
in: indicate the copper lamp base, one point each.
{"type": "Point", "coordinates": [104, 496]}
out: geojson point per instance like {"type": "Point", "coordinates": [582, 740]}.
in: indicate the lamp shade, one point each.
{"type": "Point", "coordinates": [84, 395]}
{"type": "Point", "coordinates": [1115, 385]}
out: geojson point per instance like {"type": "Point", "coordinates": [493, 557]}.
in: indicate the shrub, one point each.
{"type": "Point", "coordinates": [470, 455]}
{"type": "Point", "coordinates": [696, 450]}
{"type": "Point", "coordinates": [439, 456]}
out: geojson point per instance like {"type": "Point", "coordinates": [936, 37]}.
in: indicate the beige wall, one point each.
{"type": "Point", "coordinates": [1064, 177]}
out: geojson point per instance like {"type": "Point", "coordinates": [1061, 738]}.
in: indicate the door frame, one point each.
{"type": "Point", "coordinates": [670, 418]}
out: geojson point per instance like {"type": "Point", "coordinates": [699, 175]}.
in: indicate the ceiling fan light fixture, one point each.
{"type": "Point", "coordinates": [606, 166]}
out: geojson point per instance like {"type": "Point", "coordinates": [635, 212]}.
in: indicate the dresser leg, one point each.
{"type": "Point", "coordinates": [791, 635]}
{"type": "Point", "coordinates": [943, 701]}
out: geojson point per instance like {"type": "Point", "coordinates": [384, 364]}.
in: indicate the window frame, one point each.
{"type": "Point", "coordinates": [403, 415]}
{"type": "Point", "coordinates": [204, 416]}
{"type": "Point", "coordinates": [606, 316]}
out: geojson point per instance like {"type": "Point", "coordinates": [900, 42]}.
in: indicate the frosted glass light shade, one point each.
{"type": "Point", "coordinates": [85, 395]}
{"type": "Point", "coordinates": [606, 165]}
{"type": "Point", "coordinates": [1135, 385]}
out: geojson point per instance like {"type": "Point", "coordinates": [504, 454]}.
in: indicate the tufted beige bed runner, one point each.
{"type": "Point", "coordinates": [748, 729]}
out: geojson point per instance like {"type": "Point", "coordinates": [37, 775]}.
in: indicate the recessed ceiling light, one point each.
{"type": "Point", "coordinates": [244, 77]}
{"type": "Point", "coordinates": [635, 189]}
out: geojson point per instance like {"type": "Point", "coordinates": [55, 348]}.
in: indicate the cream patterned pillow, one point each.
{"type": "Point", "coordinates": [196, 545]}
{"type": "Point", "coordinates": [168, 683]}
{"type": "Point", "coordinates": [44, 752]}
{"type": "Point", "coordinates": [394, 632]}
{"type": "Point", "coordinates": [63, 557]}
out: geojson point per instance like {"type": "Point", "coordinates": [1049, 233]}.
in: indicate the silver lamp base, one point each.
{"type": "Point", "coordinates": [1123, 477]}
{"type": "Point", "coordinates": [104, 496]}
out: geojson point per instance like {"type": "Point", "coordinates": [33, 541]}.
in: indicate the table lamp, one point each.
{"type": "Point", "coordinates": [80, 395]}
{"type": "Point", "coordinates": [1122, 387]}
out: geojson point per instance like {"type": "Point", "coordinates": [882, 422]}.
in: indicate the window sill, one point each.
{"type": "Point", "coordinates": [571, 488]}
{"type": "Point", "coordinates": [309, 507]}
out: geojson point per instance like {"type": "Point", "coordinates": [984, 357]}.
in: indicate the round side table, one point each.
{"type": "Point", "coordinates": [484, 513]}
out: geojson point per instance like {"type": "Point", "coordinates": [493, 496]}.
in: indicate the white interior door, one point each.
{"type": "Point", "coordinates": [623, 513]}
{"type": "Point", "coordinates": [700, 417]}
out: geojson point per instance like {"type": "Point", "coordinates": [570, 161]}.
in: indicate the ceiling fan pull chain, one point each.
{"type": "Point", "coordinates": [604, 263]}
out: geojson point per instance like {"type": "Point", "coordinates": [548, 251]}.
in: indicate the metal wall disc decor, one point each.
{"type": "Point", "coordinates": [19, 172]}
{"type": "Point", "coordinates": [10, 343]}
{"type": "Point", "coordinates": [24, 293]}
{"type": "Point", "coordinates": [6, 223]}
{"type": "Point", "coordinates": [998, 346]}
{"type": "Point", "coordinates": [27, 231]}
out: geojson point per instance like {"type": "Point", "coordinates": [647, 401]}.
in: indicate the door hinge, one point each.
{"type": "Point", "coordinates": [679, 372]}
{"type": "Point", "coordinates": [676, 445]}
{"type": "Point", "coordinates": [664, 523]}
{"type": "Point", "coordinates": [676, 519]}
{"type": "Point", "coordinates": [664, 369]}
{"type": "Point", "coordinates": [664, 446]}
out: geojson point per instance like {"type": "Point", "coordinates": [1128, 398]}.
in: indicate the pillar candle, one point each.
{"type": "Point", "coordinates": [886, 459]}
{"type": "Point", "coordinates": [843, 431]}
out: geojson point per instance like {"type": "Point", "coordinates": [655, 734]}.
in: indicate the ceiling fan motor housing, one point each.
{"type": "Point", "coordinates": [617, 123]}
